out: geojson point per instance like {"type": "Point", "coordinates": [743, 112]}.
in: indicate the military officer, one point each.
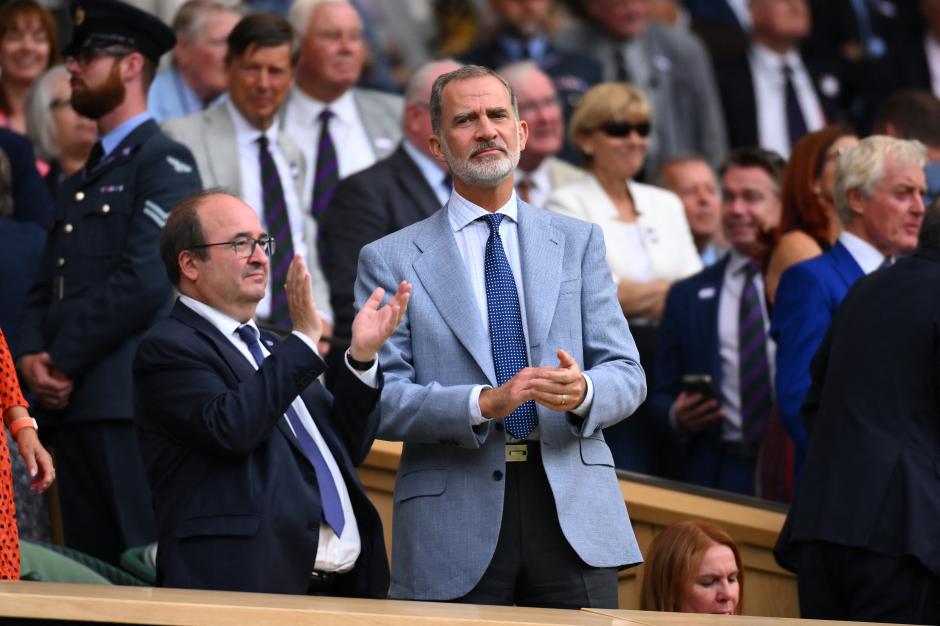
{"type": "Point", "coordinates": [101, 283]}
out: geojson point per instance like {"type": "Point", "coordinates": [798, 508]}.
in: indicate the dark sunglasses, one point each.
{"type": "Point", "coordinates": [623, 129]}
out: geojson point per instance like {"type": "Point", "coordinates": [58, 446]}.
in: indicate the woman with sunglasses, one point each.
{"type": "Point", "coordinates": [649, 244]}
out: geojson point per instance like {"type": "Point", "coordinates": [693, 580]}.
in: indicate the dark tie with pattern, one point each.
{"type": "Point", "coordinates": [278, 223]}
{"type": "Point", "coordinates": [329, 496]}
{"type": "Point", "coordinates": [753, 367]}
{"type": "Point", "coordinates": [796, 124]}
{"type": "Point", "coordinates": [326, 174]}
{"type": "Point", "coordinates": [506, 336]}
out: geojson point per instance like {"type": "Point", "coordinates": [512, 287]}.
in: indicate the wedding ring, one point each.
{"type": "Point", "coordinates": [564, 400]}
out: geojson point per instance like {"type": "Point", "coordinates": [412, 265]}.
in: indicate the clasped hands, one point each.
{"type": "Point", "coordinates": [51, 387]}
{"type": "Point", "coordinates": [559, 388]}
{"type": "Point", "coordinates": [371, 327]}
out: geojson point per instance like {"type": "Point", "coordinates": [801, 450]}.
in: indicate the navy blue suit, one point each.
{"type": "Point", "coordinates": [236, 501]}
{"type": "Point", "coordinates": [807, 298]}
{"type": "Point", "coordinates": [688, 344]}
{"type": "Point", "coordinates": [31, 199]}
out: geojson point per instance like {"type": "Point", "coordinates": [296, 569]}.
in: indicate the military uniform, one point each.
{"type": "Point", "coordinates": [101, 284]}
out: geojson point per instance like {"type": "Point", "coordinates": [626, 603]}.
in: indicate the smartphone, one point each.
{"type": "Point", "coordinates": [700, 384]}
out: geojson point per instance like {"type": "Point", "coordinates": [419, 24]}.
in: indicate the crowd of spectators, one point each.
{"type": "Point", "coordinates": [746, 161]}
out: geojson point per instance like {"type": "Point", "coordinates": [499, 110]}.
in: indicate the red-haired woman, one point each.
{"type": "Point", "coordinates": [28, 47]}
{"type": "Point", "coordinates": [693, 567]}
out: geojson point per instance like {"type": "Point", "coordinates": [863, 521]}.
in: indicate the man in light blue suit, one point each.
{"type": "Point", "coordinates": [878, 194]}
{"type": "Point", "coordinates": [513, 357]}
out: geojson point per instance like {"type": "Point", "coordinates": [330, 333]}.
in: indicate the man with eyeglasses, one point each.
{"type": "Point", "coordinates": [101, 285]}
{"type": "Point", "coordinates": [252, 462]}
{"type": "Point", "coordinates": [714, 366]}
{"type": "Point", "coordinates": [540, 171]}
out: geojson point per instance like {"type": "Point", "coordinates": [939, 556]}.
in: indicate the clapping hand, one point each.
{"type": "Point", "coordinates": [374, 324]}
{"type": "Point", "coordinates": [303, 311]}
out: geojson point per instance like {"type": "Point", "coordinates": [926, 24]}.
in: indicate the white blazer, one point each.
{"type": "Point", "coordinates": [664, 230]}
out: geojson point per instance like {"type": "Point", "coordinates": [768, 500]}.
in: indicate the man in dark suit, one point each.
{"type": "Point", "coordinates": [862, 532]}
{"type": "Point", "coordinates": [715, 323]}
{"type": "Point", "coordinates": [31, 201]}
{"type": "Point", "coordinates": [253, 472]}
{"type": "Point", "coordinates": [771, 94]}
{"type": "Point", "coordinates": [398, 191]}
{"type": "Point", "coordinates": [879, 184]}
{"type": "Point", "coordinates": [523, 35]}
{"type": "Point", "coordinates": [100, 284]}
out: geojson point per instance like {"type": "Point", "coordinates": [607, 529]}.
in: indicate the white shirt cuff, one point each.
{"type": "Point", "coordinates": [584, 408]}
{"type": "Point", "coordinates": [476, 414]}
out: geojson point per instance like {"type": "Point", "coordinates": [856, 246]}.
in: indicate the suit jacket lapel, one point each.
{"type": "Point", "coordinates": [412, 181]}
{"type": "Point", "coordinates": [451, 292]}
{"type": "Point", "coordinates": [713, 278]}
{"type": "Point", "coordinates": [222, 147]}
{"type": "Point", "coordinates": [845, 265]}
{"type": "Point", "coordinates": [541, 251]}
{"type": "Point", "coordinates": [235, 360]}
{"type": "Point", "coordinates": [295, 160]}
{"type": "Point", "coordinates": [123, 151]}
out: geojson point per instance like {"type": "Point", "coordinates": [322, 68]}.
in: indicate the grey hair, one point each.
{"type": "Point", "coordinates": [192, 16]}
{"type": "Point", "coordinates": [518, 71]}
{"type": "Point", "coordinates": [464, 73]}
{"type": "Point", "coordinates": [417, 89]}
{"type": "Point", "coordinates": [301, 10]}
{"type": "Point", "coordinates": [861, 167]}
{"type": "Point", "coordinates": [39, 123]}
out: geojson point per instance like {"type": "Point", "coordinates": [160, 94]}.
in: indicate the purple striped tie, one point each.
{"type": "Point", "coordinates": [326, 174]}
{"type": "Point", "coordinates": [756, 394]}
{"type": "Point", "coordinates": [278, 224]}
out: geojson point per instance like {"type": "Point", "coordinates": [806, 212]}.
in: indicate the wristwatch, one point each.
{"type": "Point", "coordinates": [359, 366]}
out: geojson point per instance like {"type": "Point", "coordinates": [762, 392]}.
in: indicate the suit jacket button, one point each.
{"type": "Point", "coordinates": [497, 475]}
{"type": "Point", "coordinates": [105, 208]}
{"type": "Point", "coordinates": [80, 196]}
{"type": "Point", "coordinates": [60, 262]}
{"type": "Point", "coordinates": [68, 228]}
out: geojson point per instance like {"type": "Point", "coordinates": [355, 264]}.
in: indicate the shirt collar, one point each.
{"type": "Point", "coordinates": [225, 324]}
{"type": "Point", "coordinates": [865, 254]}
{"type": "Point", "coordinates": [461, 212]}
{"type": "Point", "coordinates": [431, 169]}
{"type": "Point", "coordinates": [772, 62]}
{"type": "Point", "coordinates": [245, 132]}
{"type": "Point", "coordinates": [114, 138]}
{"type": "Point", "coordinates": [343, 108]}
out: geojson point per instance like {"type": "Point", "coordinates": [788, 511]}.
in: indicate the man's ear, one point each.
{"type": "Point", "coordinates": [856, 204]}
{"type": "Point", "coordinates": [187, 264]}
{"type": "Point", "coordinates": [133, 65]}
{"type": "Point", "coordinates": [437, 150]}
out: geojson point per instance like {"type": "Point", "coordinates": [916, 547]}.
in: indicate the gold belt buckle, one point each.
{"type": "Point", "coordinates": [517, 452]}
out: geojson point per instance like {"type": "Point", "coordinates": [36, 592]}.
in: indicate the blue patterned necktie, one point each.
{"type": "Point", "coordinates": [278, 224]}
{"type": "Point", "coordinates": [506, 336]}
{"type": "Point", "coordinates": [753, 367]}
{"type": "Point", "coordinates": [326, 174]}
{"type": "Point", "coordinates": [329, 496]}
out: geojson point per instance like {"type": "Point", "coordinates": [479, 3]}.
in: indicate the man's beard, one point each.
{"type": "Point", "coordinates": [95, 103]}
{"type": "Point", "coordinates": [487, 173]}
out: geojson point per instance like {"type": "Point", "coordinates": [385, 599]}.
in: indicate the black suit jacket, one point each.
{"type": "Point", "coordinates": [236, 501]}
{"type": "Point", "coordinates": [872, 473]}
{"type": "Point", "coordinates": [375, 202]}
{"type": "Point", "coordinates": [31, 199]}
{"type": "Point", "coordinates": [736, 87]}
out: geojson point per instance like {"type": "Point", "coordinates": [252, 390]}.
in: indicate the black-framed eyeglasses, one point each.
{"type": "Point", "coordinates": [87, 55]}
{"type": "Point", "coordinates": [245, 247]}
{"type": "Point", "coordinates": [623, 129]}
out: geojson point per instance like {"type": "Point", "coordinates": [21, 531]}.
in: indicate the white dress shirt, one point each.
{"type": "Point", "coordinates": [865, 254]}
{"type": "Point", "coordinates": [354, 150]}
{"type": "Point", "coordinates": [729, 306]}
{"type": "Point", "coordinates": [771, 100]}
{"type": "Point", "coordinates": [932, 50]}
{"type": "Point", "coordinates": [540, 187]}
{"type": "Point", "coordinates": [247, 137]}
{"type": "Point", "coordinates": [471, 235]}
{"type": "Point", "coordinates": [334, 554]}
{"type": "Point", "coordinates": [434, 175]}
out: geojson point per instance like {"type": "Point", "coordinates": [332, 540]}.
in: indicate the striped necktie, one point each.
{"type": "Point", "coordinates": [278, 225]}
{"type": "Point", "coordinates": [753, 366]}
{"type": "Point", "coordinates": [796, 123]}
{"type": "Point", "coordinates": [326, 174]}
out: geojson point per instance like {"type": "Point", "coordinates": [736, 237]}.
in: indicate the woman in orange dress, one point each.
{"type": "Point", "coordinates": [23, 429]}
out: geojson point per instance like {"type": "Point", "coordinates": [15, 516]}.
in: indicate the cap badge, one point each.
{"type": "Point", "coordinates": [79, 16]}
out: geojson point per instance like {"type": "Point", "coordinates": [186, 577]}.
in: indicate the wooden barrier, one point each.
{"type": "Point", "coordinates": [67, 603]}
{"type": "Point", "coordinates": [653, 505]}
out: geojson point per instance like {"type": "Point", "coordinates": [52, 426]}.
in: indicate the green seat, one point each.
{"type": "Point", "coordinates": [140, 562]}
{"type": "Point", "coordinates": [51, 563]}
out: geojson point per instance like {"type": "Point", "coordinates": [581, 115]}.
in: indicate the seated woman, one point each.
{"type": "Point", "coordinates": [649, 244]}
{"type": "Point", "coordinates": [693, 567]}
{"type": "Point", "coordinates": [809, 224]}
